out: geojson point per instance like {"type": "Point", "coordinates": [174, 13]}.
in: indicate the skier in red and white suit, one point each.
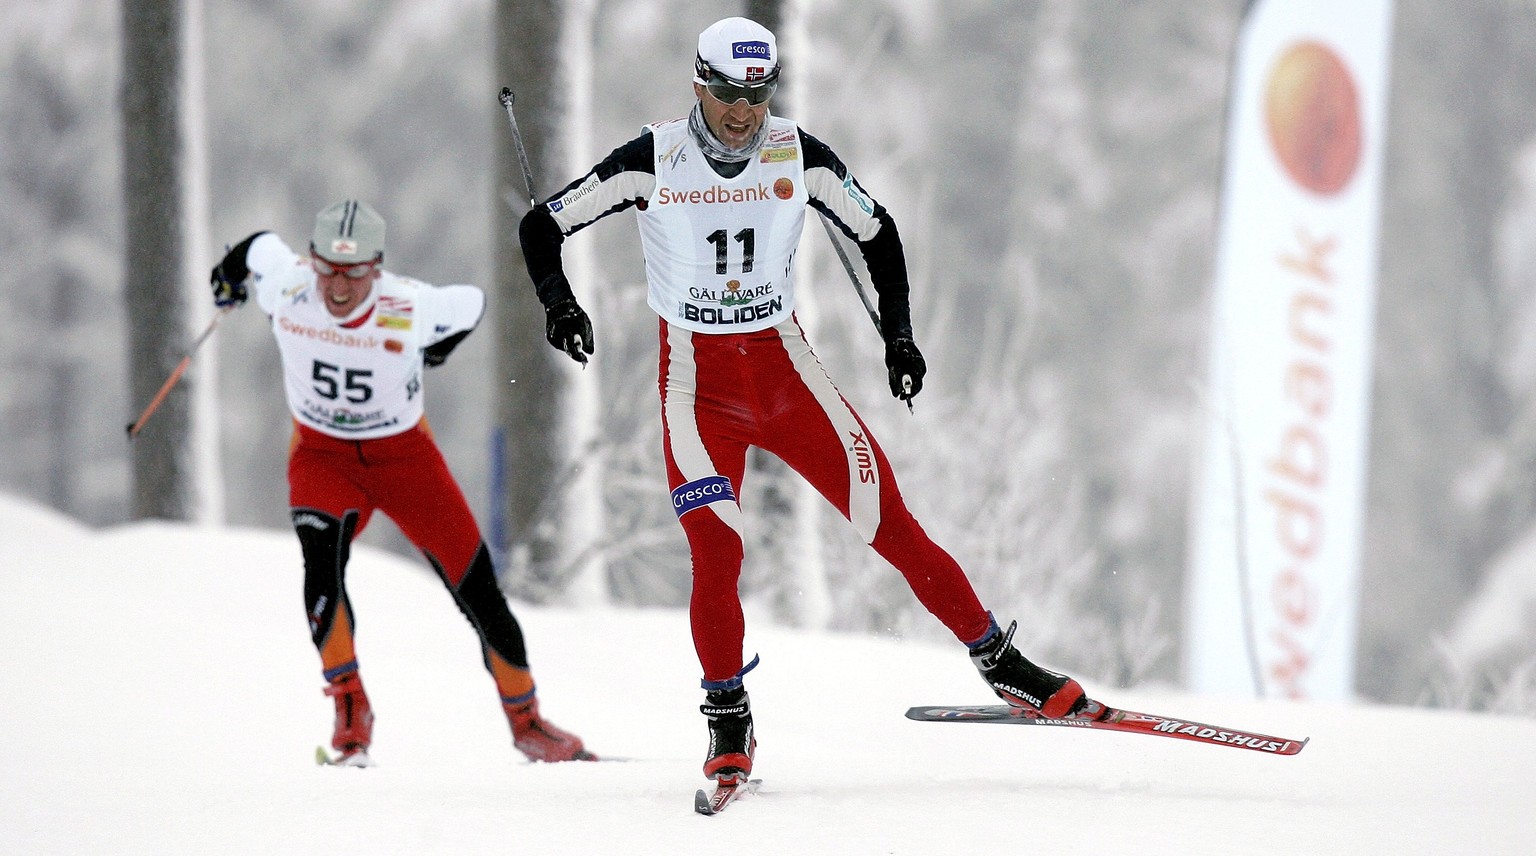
{"type": "Point", "coordinates": [354, 341]}
{"type": "Point", "coordinates": [722, 197]}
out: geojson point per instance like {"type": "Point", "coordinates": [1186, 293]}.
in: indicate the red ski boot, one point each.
{"type": "Point", "coordinates": [354, 718]}
{"type": "Point", "coordinates": [537, 738]}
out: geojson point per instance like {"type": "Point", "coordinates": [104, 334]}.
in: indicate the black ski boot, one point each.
{"type": "Point", "coordinates": [1022, 683]}
{"type": "Point", "coordinates": [731, 743]}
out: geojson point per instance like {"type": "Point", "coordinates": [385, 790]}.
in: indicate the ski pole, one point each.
{"type": "Point", "coordinates": [186, 360]}
{"type": "Point", "coordinates": [906, 382]}
{"type": "Point", "coordinates": [522, 158]}
{"type": "Point", "coordinates": [517, 140]}
{"type": "Point", "coordinates": [848, 266]}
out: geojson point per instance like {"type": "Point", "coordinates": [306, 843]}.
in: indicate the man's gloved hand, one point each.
{"type": "Point", "coordinates": [906, 368]}
{"type": "Point", "coordinates": [226, 291]}
{"type": "Point", "coordinates": [568, 328]}
{"type": "Point", "coordinates": [231, 274]}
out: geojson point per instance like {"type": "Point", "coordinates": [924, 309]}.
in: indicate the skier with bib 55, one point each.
{"type": "Point", "coordinates": [354, 341]}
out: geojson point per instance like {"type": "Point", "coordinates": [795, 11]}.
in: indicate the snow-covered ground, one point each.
{"type": "Point", "coordinates": [159, 695]}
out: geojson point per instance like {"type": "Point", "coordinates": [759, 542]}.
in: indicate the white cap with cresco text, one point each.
{"type": "Point", "coordinates": [738, 48]}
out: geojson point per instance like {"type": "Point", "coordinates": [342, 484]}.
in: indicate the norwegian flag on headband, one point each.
{"type": "Point", "coordinates": [756, 73]}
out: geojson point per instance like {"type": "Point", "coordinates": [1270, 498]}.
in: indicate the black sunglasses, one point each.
{"type": "Point", "coordinates": [729, 91]}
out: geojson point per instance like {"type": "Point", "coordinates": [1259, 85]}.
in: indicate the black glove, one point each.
{"type": "Point", "coordinates": [226, 292]}
{"type": "Point", "coordinates": [229, 275]}
{"type": "Point", "coordinates": [905, 366]}
{"type": "Point", "coordinates": [568, 328]}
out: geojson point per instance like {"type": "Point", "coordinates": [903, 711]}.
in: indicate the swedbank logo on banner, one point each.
{"type": "Point", "coordinates": [1278, 513]}
{"type": "Point", "coordinates": [1312, 111]}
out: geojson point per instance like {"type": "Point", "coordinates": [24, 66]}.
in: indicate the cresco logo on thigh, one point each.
{"type": "Point", "coordinates": [701, 492]}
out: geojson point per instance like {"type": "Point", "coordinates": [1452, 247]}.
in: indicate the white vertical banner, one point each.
{"type": "Point", "coordinates": [1279, 509]}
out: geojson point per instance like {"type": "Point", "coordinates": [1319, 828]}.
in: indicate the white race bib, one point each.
{"type": "Point", "coordinates": [720, 252]}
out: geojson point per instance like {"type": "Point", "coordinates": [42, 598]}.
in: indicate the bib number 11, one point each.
{"type": "Point", "coordinates": [748, 240]}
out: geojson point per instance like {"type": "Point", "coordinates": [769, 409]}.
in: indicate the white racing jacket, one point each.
{"type": "Point", "coordinates": [719, 252]}
{"type": "Point", "coordinates": [358, 377]}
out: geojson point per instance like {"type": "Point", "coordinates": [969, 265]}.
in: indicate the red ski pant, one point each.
{"type": "Point", "coordinates": [722, 393]}
{"type": "Point", "coordinates": [403, 475]}
{"type": "Point", "coordinates": [335, 486]}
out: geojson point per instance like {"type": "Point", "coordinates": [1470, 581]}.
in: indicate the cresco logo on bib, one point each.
{"type": "Point", "coordinates": [712, 195]}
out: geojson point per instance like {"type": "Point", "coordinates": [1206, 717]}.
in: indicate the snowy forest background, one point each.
{"type": "Point", "coordinates": [1054, 167]}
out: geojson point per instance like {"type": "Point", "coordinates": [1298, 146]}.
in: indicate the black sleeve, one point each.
{"type": "Point", "coordinates": [542, 239]}
{"type": "Point", "coordinates": [232, 267]}
{"type": "Point", "coordinates": [882, 251]}
{"type": "Point", "coordinates": [542, 233]}
{"type": "Point", "coordinates": [437, 353]}
{"type": "Point", "coordinates": [887, 263]}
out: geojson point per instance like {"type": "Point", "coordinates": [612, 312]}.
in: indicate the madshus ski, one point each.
{"type": "Point", "coordinates": [1101, 717]}
{"type": "Point", "coordinates": [714, 801]}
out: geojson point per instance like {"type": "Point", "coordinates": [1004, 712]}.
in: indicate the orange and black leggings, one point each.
{"type": "Point", "coordinates": [336, 485]}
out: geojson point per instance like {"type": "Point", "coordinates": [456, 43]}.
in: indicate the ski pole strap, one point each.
{"type": "Point", "coordinates": [733, 681]}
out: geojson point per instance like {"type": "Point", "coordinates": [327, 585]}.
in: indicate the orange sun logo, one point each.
{"type": "Point", "coordinates": [1312, 111]}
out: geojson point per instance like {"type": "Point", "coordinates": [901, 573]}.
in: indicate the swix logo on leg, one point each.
{"type": "Point", "coordinates": [864, 456]}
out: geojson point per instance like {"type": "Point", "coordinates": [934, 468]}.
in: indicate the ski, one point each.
{"type": "Point", "coordinates": [714, 802]}
{"type": "Point", "coordinates": [358, 758]}
{"type": "Point", "coordinates": [1101, 717]}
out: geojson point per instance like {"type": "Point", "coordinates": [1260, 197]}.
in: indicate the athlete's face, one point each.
{"type": "Point", "coordinates": [733, 124]}
{"type": "Point", "coordinates": [343, 287]}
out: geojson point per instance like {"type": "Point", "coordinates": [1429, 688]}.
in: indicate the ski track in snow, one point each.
{"type": "Point", "coordinates": [160, 696]}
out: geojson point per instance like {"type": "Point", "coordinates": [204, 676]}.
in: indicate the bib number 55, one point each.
{"type": "Point", "coordinates": [332, 382]}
